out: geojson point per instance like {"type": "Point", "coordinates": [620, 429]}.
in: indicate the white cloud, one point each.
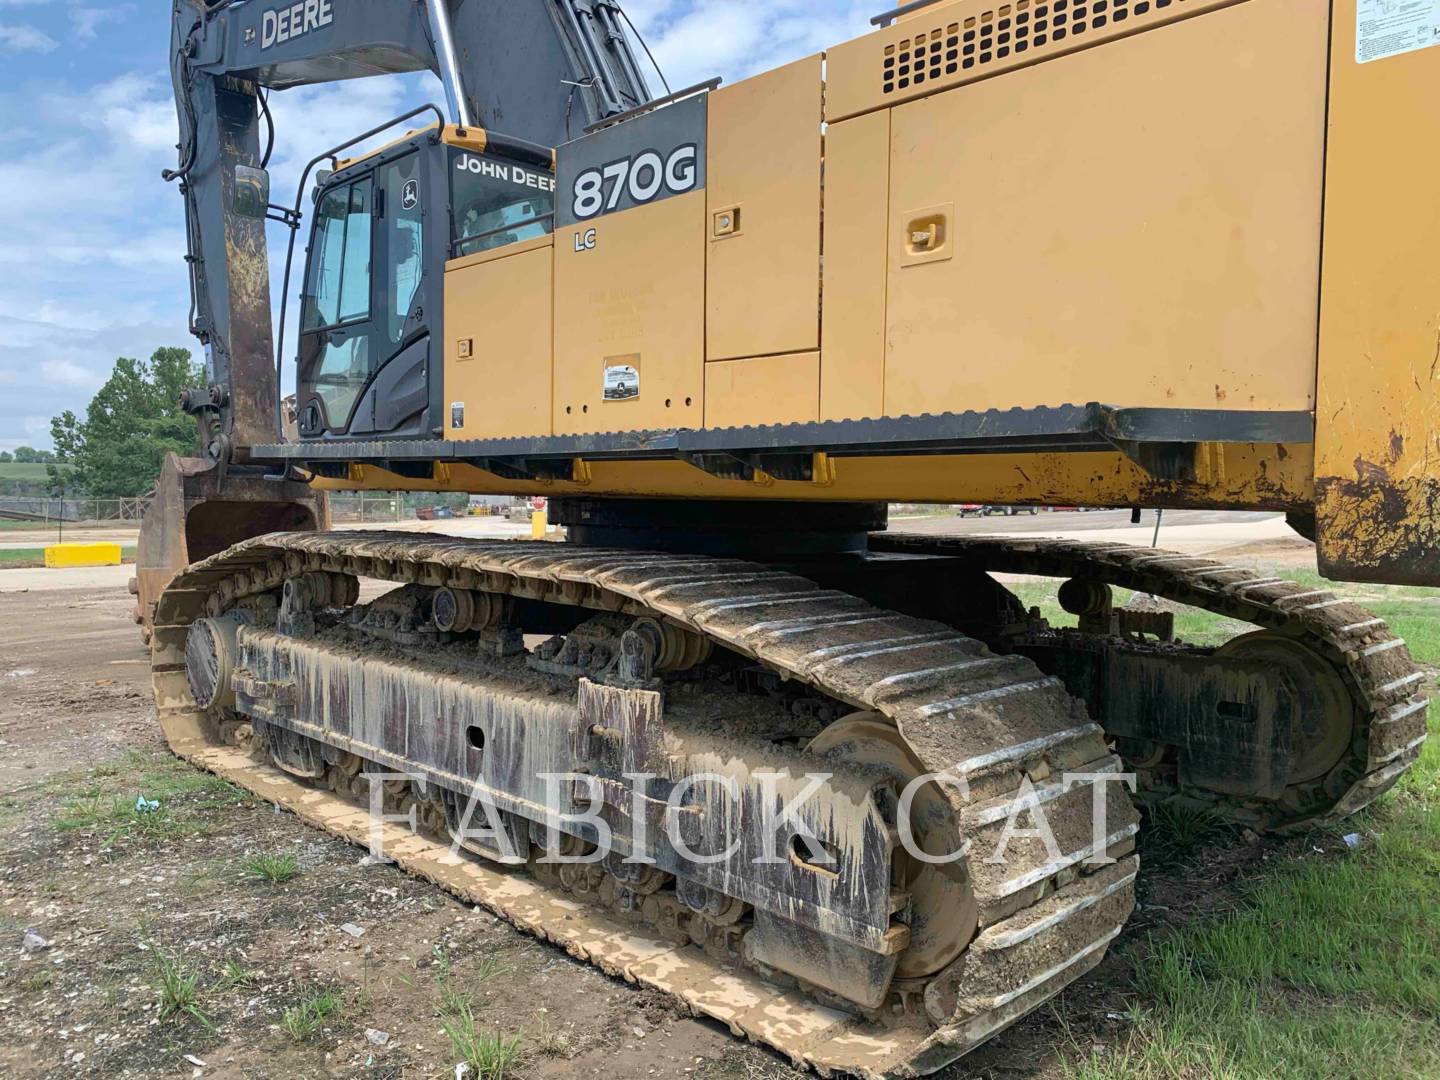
{"type": "Point", "coordinates": [93, 253]}
{"type": "Point", "coordinates": [87, 21]}
{"type": "Point", "coordinates": [48, 366]}
{"type": "Point", "coordinates": [738, 38]}
{"type": "Point", "coordinates": [69, 373]}
{"type": "Point", "coordinates": [24, 38]}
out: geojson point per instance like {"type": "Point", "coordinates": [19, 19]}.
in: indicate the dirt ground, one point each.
{"type": "Point", "coordinates": [118, 894]}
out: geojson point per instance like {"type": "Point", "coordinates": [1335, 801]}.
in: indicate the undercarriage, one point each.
{"type": "Point", "coordinates": [859, 804]}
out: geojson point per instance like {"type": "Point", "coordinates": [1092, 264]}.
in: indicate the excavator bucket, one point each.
{"type": "Point", "coordinates": [197, 512]}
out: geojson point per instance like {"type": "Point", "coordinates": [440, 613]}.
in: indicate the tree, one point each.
{"type": "Point", "coordinates": [26, 455]}
{"type": "Point", "coordinates": [6, 457]}
{"type": "Point", "coordinates": [133, 421]}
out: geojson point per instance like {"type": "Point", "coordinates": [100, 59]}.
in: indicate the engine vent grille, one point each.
{"type": "Point", "coordinates": [1001, 33]}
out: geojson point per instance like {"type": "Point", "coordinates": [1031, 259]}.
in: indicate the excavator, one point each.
{"type": "Point", "coordinates": [737, 740]}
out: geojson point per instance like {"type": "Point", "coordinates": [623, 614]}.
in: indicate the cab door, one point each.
{"type": "Point", "coordinates": [336, 359]}
{"type": "Point", "coordinates": [364, 342]}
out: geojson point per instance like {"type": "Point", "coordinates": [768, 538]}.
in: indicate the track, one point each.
{"type": "Point", "coordinates": [1385, 687]}
{"type": "Point", "coordinates": [912, 697]}
{"type": "Point", "coordinates": [1039, 919]}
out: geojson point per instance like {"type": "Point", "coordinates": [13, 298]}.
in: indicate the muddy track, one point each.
{"type": "Point", "coordinates": [1386, 689]}
{"type": "Point", "coordinates": [1041, 920]}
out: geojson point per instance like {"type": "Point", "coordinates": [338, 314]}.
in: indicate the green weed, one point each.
{"type": "Point", "coordinates": [176, 985]}
{"type": "Point", "coordinates": [272, 869]}
{"type": "Point", "coordinates": [234, 974]}
{"type": "Point", "coordinates": [305, 1019]}
{"type": "Point", "coordinates": [489, 1054]}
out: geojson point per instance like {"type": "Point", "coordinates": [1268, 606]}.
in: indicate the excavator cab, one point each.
{"type": "Point", "coordinates": [372, 297]}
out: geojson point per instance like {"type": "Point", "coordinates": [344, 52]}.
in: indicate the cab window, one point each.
{"type": "Point", "coordinates": [338, 289]}
{"type": "Point", "coordinates": [403, 226]}
{"type": "Point", "coordinates": [497, 202]}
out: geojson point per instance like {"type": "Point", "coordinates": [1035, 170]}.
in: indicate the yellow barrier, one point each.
{"type": "Point", "coordinates": [539, 522]}
{"type": "Point", "coordinates": [59, 556]}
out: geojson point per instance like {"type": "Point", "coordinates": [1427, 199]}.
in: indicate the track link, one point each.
{"type": "Point", "coordinates": [999, 730]}
{"type": "Point", "coordinates": [1386, 688]}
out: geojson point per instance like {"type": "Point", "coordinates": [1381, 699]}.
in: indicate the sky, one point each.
{"type": "Point", "coordinates": [92, 241]}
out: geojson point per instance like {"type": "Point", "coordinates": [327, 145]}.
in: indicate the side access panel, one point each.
{"type": "Point", "coordinates": [636, 300]}
{"type": "Point", "coordinates": [1135, 223]}
{"type": "Point", "coordinates": [499, 339]}
{"type": "Point", "coordinates": [764, 204]}
{"type": "Point", "coordinates": [1377, 440]}
{"type": "Point", "coordinates": [857, 222]}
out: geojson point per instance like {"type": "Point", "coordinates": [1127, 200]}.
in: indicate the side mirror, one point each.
{"type": "Point", "coordinates": [321, 179]}
{"type": "Point", "coordinates": [251, 198]}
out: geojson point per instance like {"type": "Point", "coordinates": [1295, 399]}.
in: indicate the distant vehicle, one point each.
{"type": "Point", "coordinates": [1008, 511]}
{"type": "Point", "coordinates": [1064, 509]}
{"type": "Point", "coordinates": [970, 510]}
{"type": "Point", "coordinates": [443, 512]}
{"type": "Point", "coordinates": [425, 513]}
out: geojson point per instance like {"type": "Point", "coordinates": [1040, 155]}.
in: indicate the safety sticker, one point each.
{"type": "Point", "coordinates": [622, 382]}
{"type": "Point", "coordinates": [1386, 28]}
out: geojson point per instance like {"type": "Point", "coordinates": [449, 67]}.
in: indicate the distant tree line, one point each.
{"type": "Point", "coordinates": [27, 455]}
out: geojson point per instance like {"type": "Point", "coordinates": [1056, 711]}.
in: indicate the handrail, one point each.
{"type": "Point", "coordinates": [885, 18]}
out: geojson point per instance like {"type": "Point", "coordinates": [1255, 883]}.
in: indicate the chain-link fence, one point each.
{"type": "Point", "coordinates": [26, 508]}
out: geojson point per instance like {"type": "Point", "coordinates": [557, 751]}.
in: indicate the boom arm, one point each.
{"type": "Point", "coordinates": [539, 69]}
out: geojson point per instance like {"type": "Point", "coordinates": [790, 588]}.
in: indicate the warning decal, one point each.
{"type": "Point", "coordinates": [1391, 27]}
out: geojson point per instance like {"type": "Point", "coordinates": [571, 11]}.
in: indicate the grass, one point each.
{"type": "Point", "coordinates": [107, 798]}
{"type": "Point", "coordinates": [123, 818]}
{"type": "Point", "coordinates": [176, 985]}
{"type": "Point", "coordinates": [551, 1041]}
{"type": "Point", "coordinates": [1183, 828]}
{"type": "Point", "coordinates": [28, 470]}
{"type": "Point", "coordinates": [488, 1053]}
{"type": "Point", "coordinates": [306, 1018]}
{"type": "Point", "coordinates": [233, 974]}
{"type": "Point", "coordinates": [455, 996]}
{"type": "Point", "coordinates": [272, 869]}
{"type": "Point", "coordinates": [1413, 613]}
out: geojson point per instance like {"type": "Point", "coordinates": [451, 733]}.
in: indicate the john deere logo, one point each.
{"type": "Point", "coordinates": [410, 195]}
{"type": "Point", "coordinates": [293, 21]}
